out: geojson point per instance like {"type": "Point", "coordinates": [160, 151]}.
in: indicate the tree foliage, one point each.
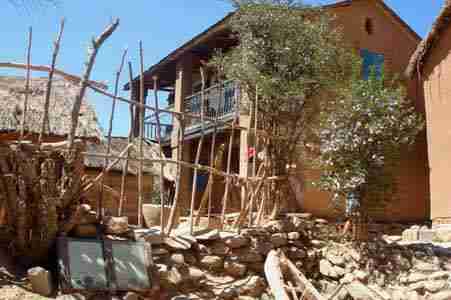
{"type": "Point", "coordinates": [362, 134]}
{"type": "Point", "coordinates": [291, 55]}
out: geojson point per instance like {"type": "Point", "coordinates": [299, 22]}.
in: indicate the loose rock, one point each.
{"type": "Point", "coordinates": [213, 263]}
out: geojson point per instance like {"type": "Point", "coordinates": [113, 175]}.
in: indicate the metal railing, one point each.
{"type": "Point", "coordinates": [150, 129]}
{"type": "Point", "coordinates": [219, 101]}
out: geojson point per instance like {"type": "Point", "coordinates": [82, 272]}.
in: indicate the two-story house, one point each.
{"type": "Point", "coordinates": [369, 27]}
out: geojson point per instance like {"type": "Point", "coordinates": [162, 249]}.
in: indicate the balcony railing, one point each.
{"type": "Point", "coordinates": [219, 101]}
{"type": "Point", "coordinates": [151, 127]}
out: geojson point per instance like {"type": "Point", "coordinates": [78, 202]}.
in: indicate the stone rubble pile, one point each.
{"type": "Point", "coordinates": [389, 270]}
{"type": "Point", "coordinates": [193, 264]}
{"type": "Point", "coordinates": [381, 269]}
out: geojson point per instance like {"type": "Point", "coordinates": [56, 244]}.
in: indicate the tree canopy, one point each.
{"type": "Point", "coordinates": [363, 131]}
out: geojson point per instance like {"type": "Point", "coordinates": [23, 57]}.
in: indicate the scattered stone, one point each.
{"type": "Point", "coordinates": [293, 236]}
{"type": "Point", "coordinates": [131, 296]}
{"type": "Point", "coordinates": [279, 239]}
{"type": "Point", "coordinates": [174, 277]}
{"type": "Point", "coordinates": [254, 232]}
{"type": "Point", "coordinates": [195, 274]}
{"type": "Point", "coordinates": [177, 243]}
{"type": "Point", "coordinates": [115, 225]}
{"type": "Point", "coordinates": [445, 295]}
{"type": "Point", "coordinates": [210, 235]}
{"type": "Point", "coordinates": [360, 275]}
{"type": "Point", "coordinates": [327, 269]}
{"type": "Point", "coordinates": [355, 255]}
{"type": "Point", "coordinates": [413, 295]}
{"type": "Point", "coordinates": [392, 238]}
{"type": "Point", "coordinates": [416, 277]}
{"type": "Point", "coordinates": [318, 243]}
{"type": "Point", "coordinates": [262, 247]}
{"type": "Point", "coordinates": [213, 263]}
{"type": "Point", "coordinates": [71, 297]}
{"type": "Point", "coordinates": [41, 281]}
{"type": "Point", "coordinates": [228, 294]}
{"type": "Point", "coordinates": [296, 253]}
{"type": "Point", "coordinates": [426, 267]}
{"type": "Point", "coordinates": [253, 287]}
{"type": "Point", "coordinates": [219, 248]}
{"type": "Point", "coordinates": [237, 241]}
{"type": "Point", "coordinates": [247, 256]}
{"type": "Point", "coordinates": [398, 295]}
{"type": "Point", "coordinates": [435, 286]}
{"type": "Point", "coordinates": [177, 259]}
{"type": "Point", "coordinates": [336, 260]}
{"type": "Point", "coordinates": [159, 251]}
{"type": "Point", "coordinates": [279, 226]}
{"type": "Point", "coordinates": [419, 286]}
{"type": "Point", "coordinates": [439, 275]}
{"type": "Point", "coordinates": [321, 221]}
{"type": "Point", "coordinates": [235, 269]}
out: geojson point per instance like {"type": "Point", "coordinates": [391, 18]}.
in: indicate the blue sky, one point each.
{"type": "Point", "coordinates": [162, 25]}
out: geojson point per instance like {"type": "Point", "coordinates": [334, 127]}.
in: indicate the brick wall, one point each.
{"type": "Point", "coordinates": [397, 44]}
{"type": "Point", "coordinates": [437, 90]}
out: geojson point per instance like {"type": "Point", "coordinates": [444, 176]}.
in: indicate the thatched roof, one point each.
{"type": "Point", "coordinates": [421, 54]}
{"type": "Point", "coordinates": [118, 144]}
{"type": "Point", "coordinates": [12, 94]}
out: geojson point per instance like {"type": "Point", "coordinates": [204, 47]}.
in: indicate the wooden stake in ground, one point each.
{"type": "Point", "coordinates": [229, 162]}
{"type": "Point", "coordinates": [130, 139]}
{"type": "Point", "coordinates": [161, 176]}
{"type": "Point", "coordinates": [254, 162]}
{"type": "Point", "coordinates": [110, 132]}
{"type": "Point", "coordinates": [199, 150]}
{"type": "Point", "coordinates": [213, 143]}
{"type": "Point", "coordinates": [141, 134]}
{"type": "Point", "coordinates": [27, 83]}
{"type": "Point", "coordinates": [217, 164]}
{"type": "Point", "coordinates": [175, 205]}
{"type": "Point", "coordinates": [274, 276]}
{"type": "Point", "coordinates": [93, 51]}
{"type": "Point", "coordinates": [45, 118]}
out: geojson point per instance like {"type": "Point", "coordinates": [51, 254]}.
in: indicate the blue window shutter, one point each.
{"type": "Point", "coordinates": [371, 60]}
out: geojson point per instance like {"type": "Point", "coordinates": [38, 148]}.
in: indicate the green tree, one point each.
{"type": "Point", "coordinates": [362, 134]}
{"type": "Point", "coordinates": [291, 55]}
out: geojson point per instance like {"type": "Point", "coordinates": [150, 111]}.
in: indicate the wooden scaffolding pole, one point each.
{"type": "Point", "coordinates": [229, 162]}
{"type": "Point", "coordinates": [160, 147]}
{"type": "Point", "coordinates": [212, 149]}
{"type": "Point", "coordinates": [175, 206]}
{"type": "Point", "coordinates": [95, 46]}
{"type": "Point", "coordinates": [254, 162]}
{"type": "Point", "coordinates": [110, 132]}
{"type": "Point", "coordinates": [198, 152]}
{"type": "Point", "coordinates": [130, 140]}
{"type": "Point", "coordinates": [27, 83]}
{"type": "Point", "coordinates": [141, 134]}
{"type": "Point", "coordinates": [45, 118]}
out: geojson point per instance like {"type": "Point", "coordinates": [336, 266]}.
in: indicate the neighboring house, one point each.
{"type": "Point", "coordinates": [431, 65]}
{"type": "Point", "coordinates": [369, 27]}
{"type": "Point", "coordinates": [113, 181]}
{"type": "Point", "coordinates": [12, 94]}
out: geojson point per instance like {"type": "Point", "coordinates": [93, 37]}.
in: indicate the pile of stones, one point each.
{"type": "Point", "coordinates": [222, 265]}
{"type": "Point", "coordinates": [388, 270]}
